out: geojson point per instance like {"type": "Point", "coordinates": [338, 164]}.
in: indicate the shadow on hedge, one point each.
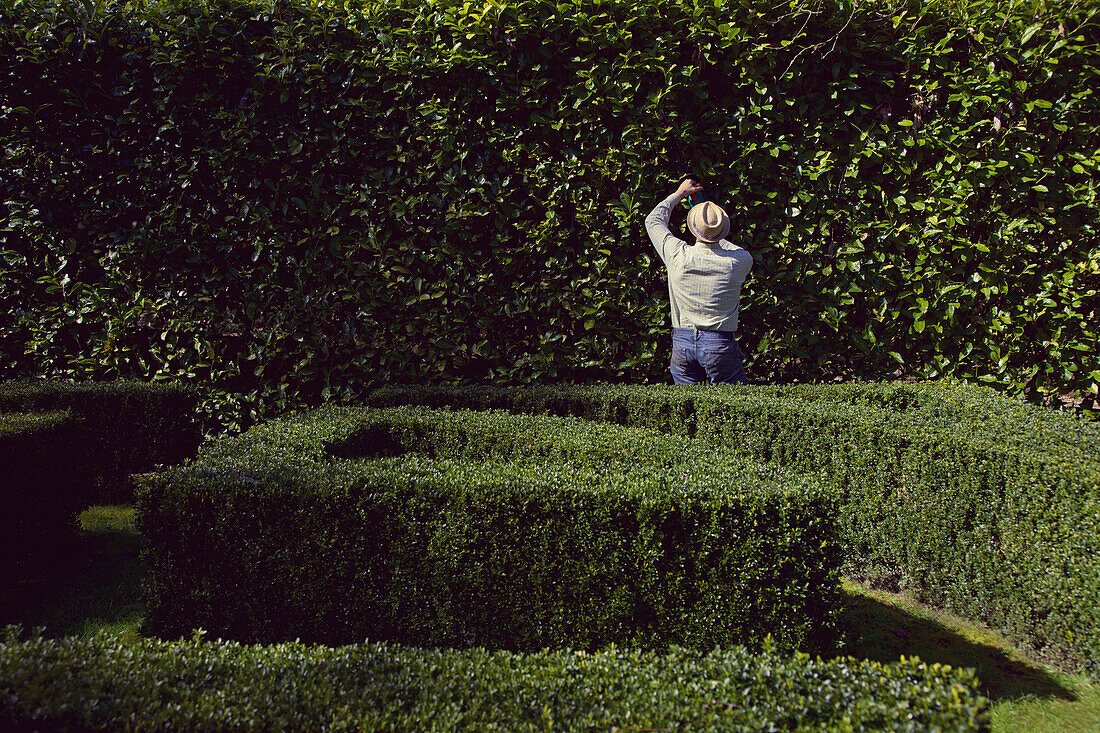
{"type": "Point", "coordinates": [884, 633]}
{"type": "Point", "coordinates": [99, 586]}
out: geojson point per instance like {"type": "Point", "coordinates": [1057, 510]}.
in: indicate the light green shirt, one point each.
{"type": "Point", "coordinates": [704, 280]}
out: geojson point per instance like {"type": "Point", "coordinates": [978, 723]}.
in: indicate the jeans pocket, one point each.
{"type": "Point", "coordinates": [723, 362]}
{"type": "Point", "coordinates": [717, 353]}
{"type": "Point", "coordinates": [684, 369]}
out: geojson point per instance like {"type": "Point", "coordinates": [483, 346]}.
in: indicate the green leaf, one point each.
{"type": "Point", "coordinates": [1029, 32]}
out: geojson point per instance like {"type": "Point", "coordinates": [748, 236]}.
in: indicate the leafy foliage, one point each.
{"type": "Point", "coordinates": [487, 529]}
{"type": "Point", "coordinates": [299, 202]}
{"type": "Point", "coordinates": [981, 503]}
{"type": "Point", "coordinates": [101, 684]}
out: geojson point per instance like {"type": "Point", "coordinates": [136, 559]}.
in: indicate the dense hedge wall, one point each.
{"type": "Point", "coordinates": [100, 684]}
{"type": "Point", "coordinates": [982, 503]}
{"type": "Point", "coordinates": [129, 427]}
{"type": "Point", "coordinates": [299, 201]}
{"type": "Point", "coordinates": [43, 470]}
{"type": "Point", "coordinates": [469, 529]}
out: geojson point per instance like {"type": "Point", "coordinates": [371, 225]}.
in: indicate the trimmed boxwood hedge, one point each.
{"type": "Point", "coordinates": [984, 504]}
{"type": "Point", "coordinates": [131, 426]}
{"type": "Point", "coordinates": [505, 531]}
{"type": "Point", "coordinates": [42, 464]}
{"type": "Point", "coordinates": [101, 684]}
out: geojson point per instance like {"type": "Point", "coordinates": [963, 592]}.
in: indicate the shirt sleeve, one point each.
{"type": "Point", "coordinates": [745, 260]}
{"type": "Point", "coordinates": [656, 225]}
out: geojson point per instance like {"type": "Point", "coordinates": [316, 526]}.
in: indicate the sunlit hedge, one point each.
{"type": "Point", "coordinates": [981, 503]}
{"type": "Point", "coordinates": [297, 201]}
{"type": "Point", "coordinates": [464, 529]}
{"type": "Point", "coordinates": [102, 685]}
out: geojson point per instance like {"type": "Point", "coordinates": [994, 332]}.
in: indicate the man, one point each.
{"type": "Point", "coordinates": [704, 290]}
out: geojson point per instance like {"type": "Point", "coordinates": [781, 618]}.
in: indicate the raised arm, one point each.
{"type": "Point", "coordinates": [656, 224]}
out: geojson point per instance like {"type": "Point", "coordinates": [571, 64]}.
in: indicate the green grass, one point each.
{"type": "Point", "coordinates": [99, 589]}
{"type": "Point", "coordinates": [1027, 696]}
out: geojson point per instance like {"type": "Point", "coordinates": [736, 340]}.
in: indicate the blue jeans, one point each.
{"type": "Point", "coordinates": [699, 355]}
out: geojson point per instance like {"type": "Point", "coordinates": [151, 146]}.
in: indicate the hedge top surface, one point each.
{"type": "Point", "coordinates": [333, 447]}
{"type": "Point", "coordinates": [22, 423]}
{"type": "Point", "coordinates": [955, 408]}
{"type": "Point", "coordinates": [940, 411]}
{"type": "Point", "coordinates": [38, 394]}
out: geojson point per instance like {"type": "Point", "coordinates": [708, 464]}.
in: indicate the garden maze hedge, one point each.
{"type": "Point", "coordinates": [204, 686]}
{"type": "Point", "coordinates": [981, 503]}
{"type": "Point", "coordinates": [297, 202]}
{"type": "Point", "coordinates": [460, 528]}
{"type": "Point", "coordinates": [41, 488]}
{"type": "Point", "coordinates": [128, 427]}
{"type": "Point", "coordinates": [467, 530]}
{"type": "Point", "coordinates": [65, 446]}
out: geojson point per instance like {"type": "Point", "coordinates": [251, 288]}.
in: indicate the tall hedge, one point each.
{"type": "Point", "coordinates": [299, 201]}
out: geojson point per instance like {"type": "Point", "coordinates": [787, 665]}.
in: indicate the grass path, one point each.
{"type": "Point", "coordinates": [97, 589]}
{"type": "Point", "coordinates": [100, 589]}
{"type": "Point", "coordinates": [1027, 696]}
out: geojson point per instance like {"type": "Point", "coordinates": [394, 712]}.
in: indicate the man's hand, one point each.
{"type": "Point", "coordinates": [688, 187]}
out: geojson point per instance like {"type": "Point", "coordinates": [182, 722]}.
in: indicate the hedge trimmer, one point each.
{"type": "Point", "coordinates": [694, 198]}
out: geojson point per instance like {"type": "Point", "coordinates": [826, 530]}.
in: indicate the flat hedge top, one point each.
{"type": "Point", "coordinates": [40, 394]}
{"type": "Point", "coordinates": [472, 451]}
{"type": "Point", "coordinates": [943, 411]}
{"type": "Point", "coordinates": [956, 409]}
{"type": "Point", "coordinates": [19, 424]}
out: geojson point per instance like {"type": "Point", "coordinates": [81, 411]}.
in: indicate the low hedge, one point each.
{"type": "Point", "coordinates": [984, 504]}
{"type": "Point", "coordinates": [132, 426]}
{"type": "Point", "coordinates": [499, 434]}
{"type": "Point", "coordinates": [41, 491]}
{"type": "Point", "coordinates": [504, 531]}
{"type": "Point", "coordinates": [100, 684]}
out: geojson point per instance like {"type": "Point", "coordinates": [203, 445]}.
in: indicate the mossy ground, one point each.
{"type": "Point", "coordinates": [99, 589]}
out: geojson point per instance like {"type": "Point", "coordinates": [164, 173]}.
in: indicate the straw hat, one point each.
{"type": "Point", "coordinates": [708, 222]}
